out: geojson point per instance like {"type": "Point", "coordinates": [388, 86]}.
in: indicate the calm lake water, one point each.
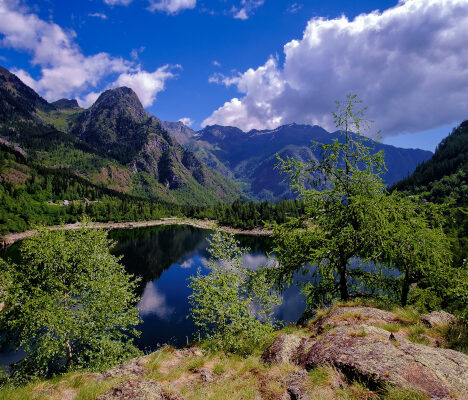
{"type": "Point", "coordinates": [166, 257]}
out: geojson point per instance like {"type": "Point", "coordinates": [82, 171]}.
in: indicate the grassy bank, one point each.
{"type": "Point", "coordinates": [196, 374]}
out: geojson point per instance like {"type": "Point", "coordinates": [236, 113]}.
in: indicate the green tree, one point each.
{"type": "Point", "coordinates": [69, 304]}
{"type": "Point", "coordinates": [350, 221]}
{"type": "Point", "coordinates": [232, 306]}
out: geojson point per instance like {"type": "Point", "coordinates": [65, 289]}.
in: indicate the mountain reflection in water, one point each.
{"type": "Point", "coordinates": [165, 258]}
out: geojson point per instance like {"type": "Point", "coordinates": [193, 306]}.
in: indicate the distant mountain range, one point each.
{"type": "Point", "coordinates": [118, 144]}
{"type": "Point", "coordinates": [250, 157]}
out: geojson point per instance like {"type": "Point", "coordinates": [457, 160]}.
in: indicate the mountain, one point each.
{"type": "Point", "coordinates": [179, 131]}
{"type": "Point", "coordinates": [250, 157]}
{"type": "Point", "coordinates": [444, 177]}
{"type": "Point", "coordinates": [115, 143]}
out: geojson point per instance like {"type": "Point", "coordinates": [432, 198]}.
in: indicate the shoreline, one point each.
{"type": "Point", "coordinates": [12, 238]}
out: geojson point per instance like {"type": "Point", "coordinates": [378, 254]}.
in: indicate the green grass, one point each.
{"type": "Point", "coordinates": [395, 393]}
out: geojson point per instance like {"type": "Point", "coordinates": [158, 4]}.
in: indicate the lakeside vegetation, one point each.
{"type": "Point", "coordinates": [348, 234]}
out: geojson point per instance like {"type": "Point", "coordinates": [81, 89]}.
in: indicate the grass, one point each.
{"type": "Point", "coordinates": [395, 393]}
{"type": "Point", "coordinates": [358, 333]}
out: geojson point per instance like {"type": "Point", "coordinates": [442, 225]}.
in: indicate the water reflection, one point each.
{"type": "Point", "coordinates": [165, 258]}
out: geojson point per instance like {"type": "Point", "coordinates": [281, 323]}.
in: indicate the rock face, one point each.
{"type": "Point", "coordinates": [438, 318]}
{"type": "Point", "coordinates": [375, 356]}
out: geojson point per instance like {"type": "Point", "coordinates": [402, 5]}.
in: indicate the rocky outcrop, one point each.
{"type": "Point", "coordinates": [375, 356]}
{"type": "Point", "coordinates": [438, 319]}
{"type": "Point", "coordinates": [135, 389]}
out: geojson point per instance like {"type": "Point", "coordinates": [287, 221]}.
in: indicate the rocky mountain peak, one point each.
{"type": "Point", "coordinates": [120, 101]}
{"type": "Point", "coordinates": [66, 104]}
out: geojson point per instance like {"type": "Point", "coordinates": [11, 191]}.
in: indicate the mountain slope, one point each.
{"type": "Point", "coordinates": [250, 157]}
{"type": "Point", "coordinates": [115, 143]}
{"type": "Point", "coordinates": [445, 176]}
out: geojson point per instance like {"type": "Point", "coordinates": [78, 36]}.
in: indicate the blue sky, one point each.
{"type": "Point", "coordinates": [223, 61]}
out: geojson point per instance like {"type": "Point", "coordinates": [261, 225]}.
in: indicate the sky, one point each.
{"type": "Point", "coordinates": [254, 64]}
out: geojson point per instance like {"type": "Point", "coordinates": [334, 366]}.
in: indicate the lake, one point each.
{"type": "Point", "coordinates": [166, 257]}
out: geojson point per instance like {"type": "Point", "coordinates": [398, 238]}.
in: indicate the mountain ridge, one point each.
{"type": "Point", "coordinates": [115, 143]}
{"type": "Point", "coordinates": [250, 157]}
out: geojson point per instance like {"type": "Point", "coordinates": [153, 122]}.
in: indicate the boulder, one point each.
{"type": "Point", "coordinates": [283, 349]}
{"type": "Point", "coordinates": [135, 390]}
{"type": "Point", "coordinates": [368, 354]}
{"type": "Point", "coordinates": [438, 319]}
{"type": "Point", "coordinates": [129, 369]}
{"type": "Point", "coordinates": [353, 315]}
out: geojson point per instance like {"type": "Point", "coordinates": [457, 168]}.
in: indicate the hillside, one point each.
{"type": "Point", "coordinates": [250, 157]}
{"type": "Point", "coordinates": [348, 352]}
{"type": "Point", "coordinates": [444, 177]}
{"type": "Point", "coordinates": [114, 143]}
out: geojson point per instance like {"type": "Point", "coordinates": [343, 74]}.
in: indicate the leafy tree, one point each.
{"type": "Point", "coordinates": [352, 230]}
{"type": "Point", "coordinates": [232, 305]}
{"type": "Point", "coordinates": [69, 304]}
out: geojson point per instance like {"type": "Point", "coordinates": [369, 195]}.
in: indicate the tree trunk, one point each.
{"type": "Point", "coordinates": [69, 354]}
{"type": "Point", "coordinates": [344, 284]}
{"type": "Point", "coordinates": [405, 290]}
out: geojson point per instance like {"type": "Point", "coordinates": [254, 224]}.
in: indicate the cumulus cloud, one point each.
{"type": "Point", "coordinates": [247, 7]}
{"type": "Point", "coordinates": [146, 84]}
{"type": "Point", "coordinates": [64, 70]}
{"type": "Point", "coordinates": [408, 63]}
{"type": "Point", "coordinates": [171, 6]}
{"type": "Point", "coordinates": [186, 121]}
{"type": "Point", "coordinates": [216, 63]}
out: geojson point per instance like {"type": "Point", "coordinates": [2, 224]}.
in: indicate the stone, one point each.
{"type": "Point", "coordinates": [438, 319]}
{"type": "Point", "coordinates": [206, 374]}
{"type": "Point", "coordinates": [282, 349]}
{"type": "Point", "coordinates": [365, 353]}
{"type": "Point", "coordinates": [135, 390]}
{"type": "Point", "coordinates": [353, 315]}
{"type": "Point", "coordinates": [130, 369]}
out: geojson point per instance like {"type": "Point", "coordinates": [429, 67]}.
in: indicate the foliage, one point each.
{"type": "Point", "coordinates": [232, 306]}
{"type": "Point", "coordinates": [353, 234]}
{"type": "Point", "coordinates": [443, 178]}
{"type": "Point", "coordinates": [69, 304]}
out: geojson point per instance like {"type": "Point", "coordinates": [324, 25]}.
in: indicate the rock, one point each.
{"type": "Point", "coordinates": [206, 374]}
{"type": "Point", "coordinates": [366, 353]}
{"type": "Point", "coordinates": [282, 349]}
{"type": "Point", "coordinates": [438, 318]}
{"type": "Point", "coordinates": [130, 369]}
{"type": "Point", "coordinates": [354, 315]}
{"type": "Point", "coordinates": [135, 390]}
{"type": "Point", "coordinates": [295, 385]}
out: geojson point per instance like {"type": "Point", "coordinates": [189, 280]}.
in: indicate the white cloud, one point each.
{"type": "Point", "coordinates": [186, 121]}
{"type": "Point", "coordinates": [294, 8]}
{"type": "Point", "coordinates": [118, 2]}
{"type": "Point", "coordinates": [216, 63]}
{"type": "Point", "coordinates": [409, 64]}
{"type": "Point", "coordinates": [246, 8]}
{"type": "Point", "coordinates": [153, 302]}
{"type": "Point", "coordinates": [65, 70]}
{"type": "Point", "coordinates": [171, 6]}
{"type": "Point", "coordinates": [146, 84]}
{"type": "Point", "coordinates": [98, 15]}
